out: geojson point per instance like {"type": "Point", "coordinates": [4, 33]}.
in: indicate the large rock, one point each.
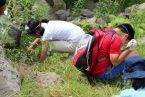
{"type": "Point", "coordinates": [132, 9]}
{"type": "Point", "coordinates": [86, 13]}
{"type": "Point", "coordinates": [135, 7]}
{"type": "Point", "coordinates": [90, 4]}
{"type": "Point", "coordinates": [55, 5]}
{"type": "Point", "coordinates": [47, 79]}
{"type": "Point", "coordinates": [12, 31]}
{"type": "Point", "coordinates": [62, 15]}
{"type": "Point", "coordinates": [9, 78]}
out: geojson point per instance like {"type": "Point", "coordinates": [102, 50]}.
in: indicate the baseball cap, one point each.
{"type": "Point", "coordinates": [31, 26]}
{"type": "Point", "coordinates": [127, 28]}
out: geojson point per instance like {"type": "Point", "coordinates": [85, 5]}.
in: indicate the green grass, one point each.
{"type": "Point", "coordinates": [74, 84]}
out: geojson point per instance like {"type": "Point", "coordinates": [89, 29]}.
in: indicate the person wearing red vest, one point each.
{"type": "Point", "coordinates": [112, 66]}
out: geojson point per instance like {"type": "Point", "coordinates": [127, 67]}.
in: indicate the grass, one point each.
{"type": "Point", "coordinates": [74, 84]}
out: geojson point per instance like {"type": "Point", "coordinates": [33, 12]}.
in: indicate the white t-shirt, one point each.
{"type": "Point", "coordinates": [61, 30]}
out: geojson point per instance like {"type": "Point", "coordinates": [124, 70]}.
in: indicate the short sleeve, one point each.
{"type": "Point", "coordinates": [116, 44]}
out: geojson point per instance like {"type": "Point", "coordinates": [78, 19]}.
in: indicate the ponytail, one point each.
{"type": "Point", "coordinates": [44, 21]}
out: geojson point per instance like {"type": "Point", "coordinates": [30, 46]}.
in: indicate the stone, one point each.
{"type": "Point", "coordinates": [90, 4]}
{"type": "Point", "coordinates": [46, 79]}
{"type": "Point", "coordinates": [132, 9]}
{"type": "Point", "coordinates": [87, 13]}
{"type": "Point", "coordinates": [62, 15]}
{"type": "Point", "coordinates": [9, 77]}
{"type": "Point", "coordinates": [54, 6]}
{"type": "Point", "coordinates": [12, 31]}
{"type": "Point", "coordinates": [141, 6]}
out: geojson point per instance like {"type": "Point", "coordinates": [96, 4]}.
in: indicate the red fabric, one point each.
{"type": "Point", "coordinates": [108, 47]}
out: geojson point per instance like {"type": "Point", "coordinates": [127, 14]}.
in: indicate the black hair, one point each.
{"type": "Point", "coordinates": [2, 2]}
{"type": "Point", "coordinates": [36, 25]}
{"type": "Point", "coordinates": [44, 21]}
{"type": "Point", "coordinates": [138, 83]}
{"type": "Point", "coordinates": [128, 29]}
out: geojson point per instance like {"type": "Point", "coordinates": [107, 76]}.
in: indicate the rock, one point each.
{"type": "Point", "coordinates": [12, 31]}
{"type": "Point", "coordinates": [24, 70]}
{"type": "Point", "coordinates": [46, 79]}
{"type": "Point", "coordinates": [90, 4]}
{"type": "Point", "coordinates": [55, 5]}
{"type": "Point", "coordinates": [9, 77]}
{"type": "Point", "coordinates": [62, 15]}
{"type": "Point", "coordinates": [141, 7]}
{"type": "Point", "coordinates": [125, 15]}
{"type": "Point", "coordinates": [132, 9]}
{"type": "Point", "coordinates": [50, 2]}
{"type": "Point", "coordinates": [87, 13]}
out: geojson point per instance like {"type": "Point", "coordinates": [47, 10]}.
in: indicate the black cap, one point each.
{"type": "Point", "coordinates": [31, 26]}
{"type": "Point", "coordinates": [127, 28]}
{"type": "Point", "coordinates": [2, 2]}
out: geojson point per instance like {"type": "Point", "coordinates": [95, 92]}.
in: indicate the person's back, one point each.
{"type": "Point", "coordinates": [111, 44]}
{"type": "Point", "coordinates": [62, 36]}
{"type": "Point", "coordinates": [61, 30]}
{"type": "Point", "coordinates": [109, 60]}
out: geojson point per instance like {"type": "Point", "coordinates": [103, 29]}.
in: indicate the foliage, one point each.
{"type": "Point", "coordinates": [4, 35]}
{"type": "Point", "coordinates": [74, 84]}
{"type": "Point", "coordinates": [116, 20]}
{"type": "Point", "coordinates": [22, 11]}
{"type": "Point", "coordinates": [76, 9]}
{"type": "Point", "coordinates": [127, 3]}
{"type": "Point", "coordinates": [137, 19]}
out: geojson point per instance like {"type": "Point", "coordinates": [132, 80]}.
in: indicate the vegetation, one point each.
{"type": "Point", "coordinates": [74, 84]}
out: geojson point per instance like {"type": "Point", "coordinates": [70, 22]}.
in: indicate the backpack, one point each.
{"type": "Point", "coordinates": [88, 47]}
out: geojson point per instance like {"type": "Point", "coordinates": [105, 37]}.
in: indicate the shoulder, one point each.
{"type": "Point", "coordinates": [116, 38]}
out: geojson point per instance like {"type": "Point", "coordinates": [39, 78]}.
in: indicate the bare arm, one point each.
{"type": "Point", "coordinates": [116, 59]}
{"type": "Point", "coordinates": [34, 44]}
{"type": "Point", "coordinates": [44, 50]}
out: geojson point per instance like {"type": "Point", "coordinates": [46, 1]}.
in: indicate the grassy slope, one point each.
{"type": "Point", "coordinates": [74, 85]}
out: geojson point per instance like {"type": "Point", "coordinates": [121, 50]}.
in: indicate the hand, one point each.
{"type": "Point", "coordinates": [132, 44]}
{"type": "Point", "coordinates": [29, 50]}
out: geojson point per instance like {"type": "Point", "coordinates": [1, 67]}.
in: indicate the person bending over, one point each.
{"type": "Point", "coordinates": [63, 36]}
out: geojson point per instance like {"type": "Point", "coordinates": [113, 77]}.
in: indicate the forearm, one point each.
{"type": "Point", "coordinates": [35, 43]}
{"type": "Point", "coordinates": [123, 55]}
{"type": "Point", "coordinates": [116, 59]}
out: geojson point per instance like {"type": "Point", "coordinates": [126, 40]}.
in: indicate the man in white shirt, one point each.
{"type": "Point", "coordinates": [64, 36]}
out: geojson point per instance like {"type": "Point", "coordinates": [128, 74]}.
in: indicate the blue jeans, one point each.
{"type": "Point", "coordinates": [112, 71]}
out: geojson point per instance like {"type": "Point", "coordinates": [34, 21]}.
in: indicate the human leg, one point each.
{"type": "Point", "coordinates": [63, 46]}
{"type": "Point", "coordinates": [112, 71]}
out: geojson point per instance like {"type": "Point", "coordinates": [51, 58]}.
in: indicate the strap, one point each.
{"type": "Point", "coordinates": [102, 59]}
{"type": "Point", "coordinates": [106, 57]}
